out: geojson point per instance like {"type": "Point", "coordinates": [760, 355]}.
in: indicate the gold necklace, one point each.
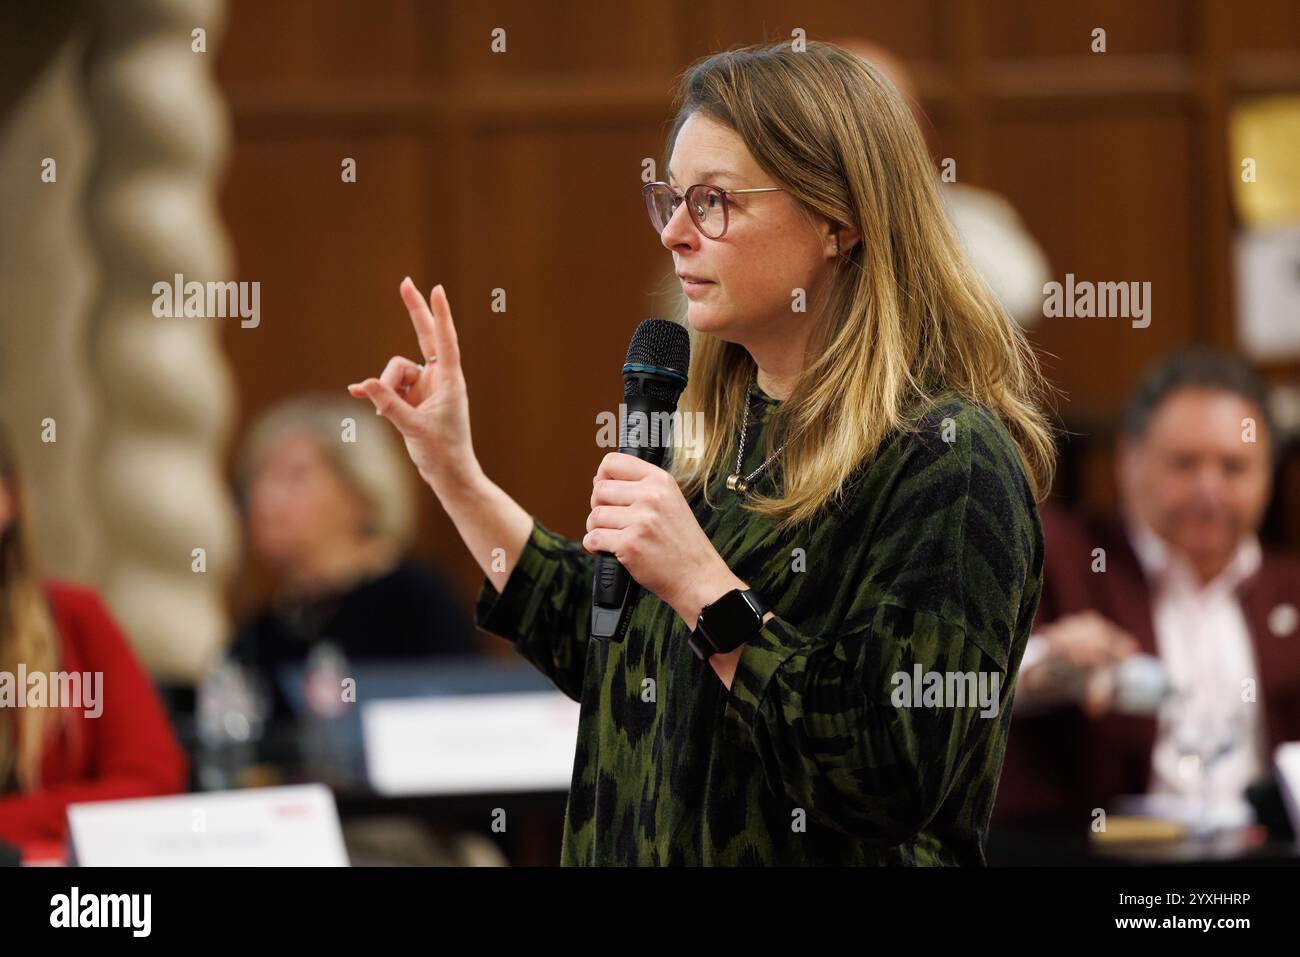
{"type": "Point", "coordinates": [734, 482]}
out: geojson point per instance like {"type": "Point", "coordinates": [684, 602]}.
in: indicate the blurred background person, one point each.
{"type": "Point", "coordinates": [329, 511]}
{"type": "Point", "coordinates": [1177, 573]}
{"type": "Point", "coordinates": [121, 746]}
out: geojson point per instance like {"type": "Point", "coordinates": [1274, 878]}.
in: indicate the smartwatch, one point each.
{"type": "Point", "coordinates": [728, 623]}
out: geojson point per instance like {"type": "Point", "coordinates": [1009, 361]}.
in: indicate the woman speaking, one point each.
{"type": "Point", "coordinates": [856, 551]}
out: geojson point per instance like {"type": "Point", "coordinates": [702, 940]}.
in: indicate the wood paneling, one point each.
{"type": "Point", "coordinates": [520, 171]}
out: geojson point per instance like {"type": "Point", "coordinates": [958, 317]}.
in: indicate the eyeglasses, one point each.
{"type": "Point", "coordinates": [706, 204]}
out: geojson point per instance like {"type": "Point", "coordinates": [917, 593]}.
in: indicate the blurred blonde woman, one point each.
{"type": "Point", "coordinates": [114, 742]}
{"type": "Point", "coordinates": [330, 513]}
{"type": "Point", "coordinates": [835, 594]}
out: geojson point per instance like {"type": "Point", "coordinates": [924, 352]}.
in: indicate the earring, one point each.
{"type": "Point", "coordinates": [837, 245]}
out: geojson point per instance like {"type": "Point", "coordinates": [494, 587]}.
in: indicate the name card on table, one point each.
{"type": "Point", "coordinates": [1287, 760]}
{"type": "Point", "coordinates": [470, 744]}
{"type": "Point", "coordinates": [295, 826]}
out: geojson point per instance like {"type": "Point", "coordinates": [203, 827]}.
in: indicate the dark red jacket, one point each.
{"type": "Point", "coordinates": [1060, 765]}
{"type": "Point", "coordinates": [129, 750]}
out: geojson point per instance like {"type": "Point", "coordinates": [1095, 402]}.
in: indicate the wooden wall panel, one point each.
{"type": "Point", "coordinates": [1109, 199]}
{"type": "Point", "coordinates": [575, 272]}
{"type": "Point", "coordinates": [1060, 29]}
{"type": "Point", "coordinates": [329, 256]}
{"type": "Point", "coordinates": [520, 171]}
{"type": "Point", "coordinates": [308, 41]}
{"type": "Point", "coordinates": [1263, 27]}
{"type": "Point", "coordinates": [915, 31]}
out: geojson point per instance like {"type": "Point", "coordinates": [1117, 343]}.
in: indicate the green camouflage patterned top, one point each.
{"type": "Point", "coordinates": [933, 564]}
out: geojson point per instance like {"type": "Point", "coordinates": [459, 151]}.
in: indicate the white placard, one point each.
{"type": "Point", "coordinates": [1287, 759]}
{"type": "Point", "coordinates": [296, 826]}
{"type": "Point", "coordinates": [471, 744]}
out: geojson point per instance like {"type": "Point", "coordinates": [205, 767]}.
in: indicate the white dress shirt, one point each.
{"type": "Point", "coordinates": [1204, 643]}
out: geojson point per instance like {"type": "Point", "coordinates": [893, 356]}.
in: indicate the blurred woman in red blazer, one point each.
{"type": "Point", "coordinates": [52, 756]}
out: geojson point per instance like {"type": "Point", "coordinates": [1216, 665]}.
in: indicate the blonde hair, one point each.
{"type": "Point", "coordinates": [905, 316]}
{"type": "Point", "coordinates": [27, 633]}
{"type": "Point", "coordinates": [372, 466]}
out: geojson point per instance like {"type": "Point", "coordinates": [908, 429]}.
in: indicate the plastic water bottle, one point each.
{"type": "Point", "coordinates": [231, 708]}
{"type": "Point", "coordinates": [327, 668]}
{"type": "Point", "coordinates": [326, 735]}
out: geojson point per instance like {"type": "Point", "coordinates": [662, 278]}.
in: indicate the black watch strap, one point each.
{"type": "Point", "coordinates": [728, 623]}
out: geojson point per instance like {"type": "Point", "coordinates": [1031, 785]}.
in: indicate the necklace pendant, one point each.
{"type": "Point", "coordinates": [737, 484]}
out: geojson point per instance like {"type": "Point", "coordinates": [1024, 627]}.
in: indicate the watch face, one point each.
{"type": "Point", "coordinates": [730, 621]}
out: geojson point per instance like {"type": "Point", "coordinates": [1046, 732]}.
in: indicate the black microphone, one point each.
{"type": "Point", "coordinates": [658, 358]}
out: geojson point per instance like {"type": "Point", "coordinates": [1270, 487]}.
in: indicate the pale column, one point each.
{"type": "Point", "coordinates": [165, 393]}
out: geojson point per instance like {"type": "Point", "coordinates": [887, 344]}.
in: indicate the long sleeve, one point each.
{"type": "Point", "coordinates": [945, 582]}
{"type": "Point", "coordinates": [545, 607]}
{"type": "Point", "coordinates": [818, 713]}
{"type": "Point", "coordinates": [132, 749]}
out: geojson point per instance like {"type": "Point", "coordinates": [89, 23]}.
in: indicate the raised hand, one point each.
{"type": "Point", "coordinates": [427, 402]}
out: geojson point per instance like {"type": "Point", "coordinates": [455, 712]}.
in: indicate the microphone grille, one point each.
{"type": "Point", "coordinates": [661, 343]}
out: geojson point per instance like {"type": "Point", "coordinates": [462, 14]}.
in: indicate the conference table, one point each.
{"type": "Point", "coordinates": [447, 741]}
{"type": "Point", "coordinates": [417, 744]}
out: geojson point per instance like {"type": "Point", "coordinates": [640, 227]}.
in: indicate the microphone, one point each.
{"type": "Point", "coordinates": [654, 374]}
